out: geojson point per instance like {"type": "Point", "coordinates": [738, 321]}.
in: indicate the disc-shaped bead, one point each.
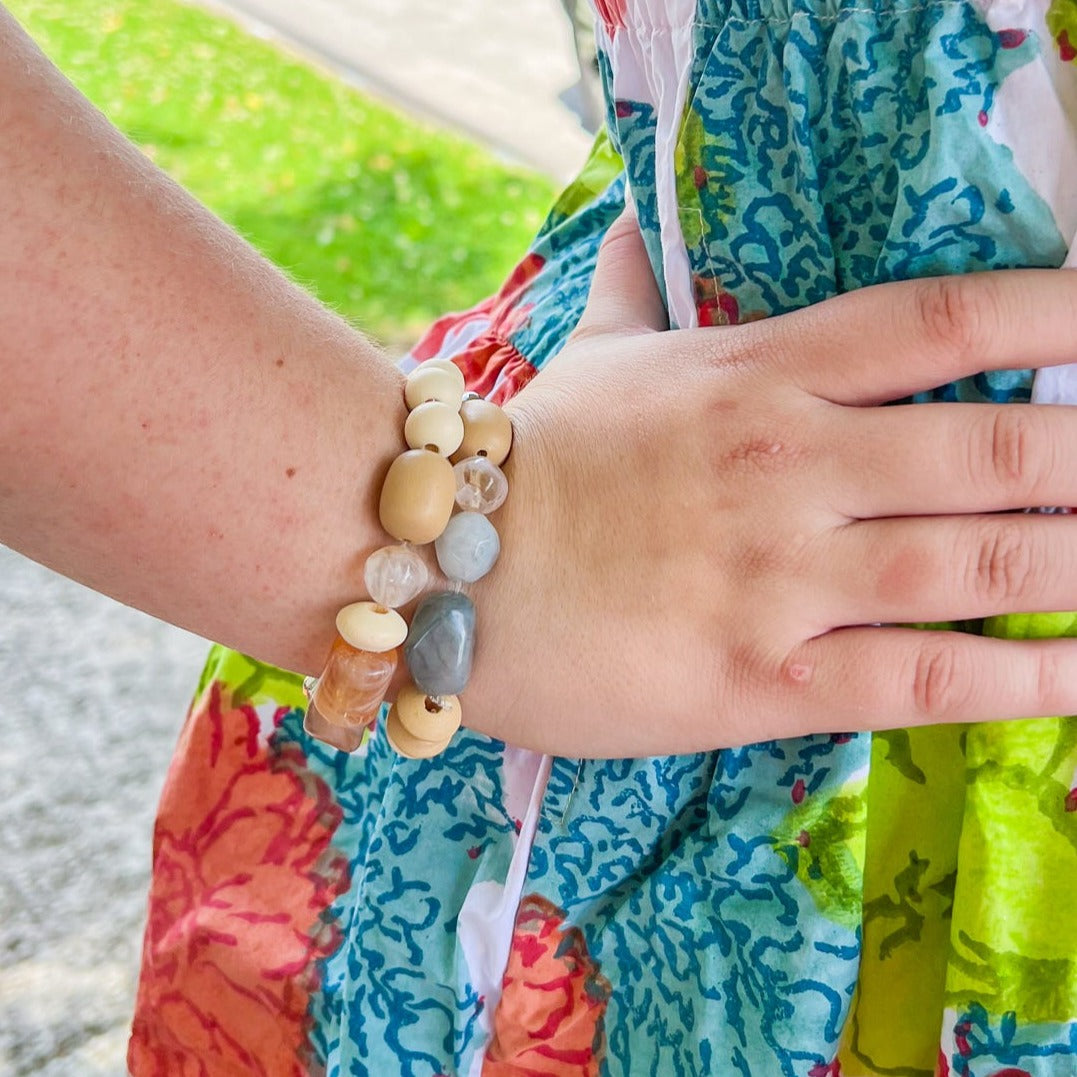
{"type": "Point", "coordinates": [468, 547]}
{"type": "Point", "coordinates": [403, 743]}
{"type": "Point", "coordinates": [441, 643]}
{"type": "Point", "coordinates": [435, 426]}
{"type": "Point", "coordinates": [417, 496]}
{"type": "Point", "coordinates": [436, 379]}
{"type": "Point", "coordinates": [394, 575]}
{"type": "Point", "coordinates": [487, 432]}
{"type": "Point", "coordinates": [426, 718]}
{"type": "Point", "coordinates": [368, 626]}
{"type": "Point", "coordinates": [481, 485]}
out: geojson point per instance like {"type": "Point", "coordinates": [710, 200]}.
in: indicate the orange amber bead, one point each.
{"type": "Point", "coordinates": [343, 738]}
{"type": "Point", "coordinates": [353, 684]}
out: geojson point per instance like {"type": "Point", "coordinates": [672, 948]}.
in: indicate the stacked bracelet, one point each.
{"type": "Point", "coordinates": [456, 444]}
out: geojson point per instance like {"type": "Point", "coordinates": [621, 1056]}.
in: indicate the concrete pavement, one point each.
{"type": "Point", "coordinates": [499, 73]}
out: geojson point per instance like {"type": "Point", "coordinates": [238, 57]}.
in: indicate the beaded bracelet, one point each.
{"type": "Point", "coordinates": [456, 444]}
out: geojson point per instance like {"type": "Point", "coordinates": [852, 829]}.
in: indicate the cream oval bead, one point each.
{"type": "Point", "coordinates": [425, 718]}
{"type": "Point", "coordinates": [417, 496]}
{"type": "Point", "coordinates": [436, 379]}
{"type": "Point", "coordinates": [487, 432]}
{"type": "Point", "coordinates": [370, 627]}
{"type": "Point", "coordinates": [435, 426]}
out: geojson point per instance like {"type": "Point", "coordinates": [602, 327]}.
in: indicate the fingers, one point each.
{"type": "Point", "coordinates": [887, 341]}
{"type": "Point", "coordinates": [951, 458]}
{"type": "Point", "coordinates": [624, 294]}
{"type": "Point", "coordinates": [951, 568]}
{"type": "Point", "coordinates": [882, 678]}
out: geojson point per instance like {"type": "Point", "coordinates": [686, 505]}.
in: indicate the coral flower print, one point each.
{"type": "Point", "coordinates": [243, 871]}
{"type": "Point", "coordinates": [491, 365]}
{"type": "Point", "coordinates": [549, 1020]}
{"type": "Point", "coordinates": [614, 13]}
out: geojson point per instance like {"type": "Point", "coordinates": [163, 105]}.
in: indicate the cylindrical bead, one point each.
{"type": "Point", "coordinates": [426, 718]}
{"type": "Point", "coordinates": [435, 426]}
{"type": "Point", "coordinates": [434, 380]}
{"type": "Point", "coordinates": [417, 496]}
{"type": "Point", "coordinates": [487, 432]}
{"type": "Point", "coordinates": [403, 743]}
{"type": "Point", "coordinates": [370, 627]}
{"type": "Point", "coordinates": [481, 485]}
{"type": "Point", "coordinates": [441, 643]}
{"type": "Point", "coordinates": [343, 738]}
{"type": "Point", "coordinates": [468, 547]}
{"type": "Point", "coordinates": [353, 684]}
{"type": "Point", "coordinates": [394, 575]}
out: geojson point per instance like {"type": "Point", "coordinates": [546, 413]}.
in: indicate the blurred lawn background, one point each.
{"type": "Point", "coordinates": [388, 221]}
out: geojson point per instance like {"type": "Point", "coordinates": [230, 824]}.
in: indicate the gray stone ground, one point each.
{"type": "Point", "coordinates": [94, 693]}
{"type": "Point", "coordinates": [502, 73]}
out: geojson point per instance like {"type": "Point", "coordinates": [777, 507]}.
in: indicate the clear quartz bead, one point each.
{"type": "Point", "coordinates": [481, 485]}
{"type": "Point", "coordinates": [394, 575]}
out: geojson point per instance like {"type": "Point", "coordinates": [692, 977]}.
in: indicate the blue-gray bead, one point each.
{"type": "Point", "coordinates": [468, 547]}
{"type": "Point", "coordinates": [441, 643]}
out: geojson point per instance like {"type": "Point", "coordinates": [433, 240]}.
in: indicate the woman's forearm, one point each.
{"type": "Point", "coordinates": [183, 428]}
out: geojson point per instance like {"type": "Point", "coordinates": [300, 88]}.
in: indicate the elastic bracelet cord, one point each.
{"type": "Point", "coordinates": [457, 443]}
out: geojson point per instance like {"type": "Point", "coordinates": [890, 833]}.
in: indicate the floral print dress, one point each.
{"type": "Point", "coordinates": [831, 906]}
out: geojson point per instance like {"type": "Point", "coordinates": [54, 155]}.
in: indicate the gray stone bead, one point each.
{"type": "Point", "coordinates": [468, 547]}
{"type": "Point", "coordinates": [441, 643]}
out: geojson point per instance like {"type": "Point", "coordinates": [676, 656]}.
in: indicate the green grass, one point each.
{"type": "Point", "coordinates": [388, 221]}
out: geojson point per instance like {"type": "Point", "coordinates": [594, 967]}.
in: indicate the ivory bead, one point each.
{"type": "Point", "coordinates": [417, 496]}
{"type": "Point", "coordinates": [434, 425]}
{"type": "Point", "coordinates": [487, 432]}
{"type": "Point", "coordinates": [468, 547]}
{"type": "Point", "coordinates": [481, 485]}
{"type": "Point", "coordinates": [343, 738]}
{"type": "Point", "coordinates": [434, 380]}
{"type": "Point", "coordinates": [394, 575]}
{"type": "Point", "coordinates": [353, 684]}
{"type": "Point", "coordinates": [424, 718]}
{"type": "Point", "coordinates": [370, 627]}
{"type": "Point", "coordinates": [403, 743]}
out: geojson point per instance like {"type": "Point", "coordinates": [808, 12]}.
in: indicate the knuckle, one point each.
{"type": "Point", "coordinates": [1010, 453]}
{"type": "Point", "coordinates": [1004, 565]}
{"type": "Point", "coordinates": [953, 314]}
{"type": "Point", "coordinates": [1048, 678]}
{"type": "Point", "coordinates": [942, 684]}
{"type": "Point", "coordinates": [767, 447]}
{"type": "Point", "coordinates": [759, 560]}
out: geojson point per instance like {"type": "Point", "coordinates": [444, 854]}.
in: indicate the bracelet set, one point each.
{"type": "Point", "coordinates": [456, 444]}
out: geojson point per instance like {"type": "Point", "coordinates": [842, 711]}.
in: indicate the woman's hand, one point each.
{"type": "Point", "coordinates": [703, 526]}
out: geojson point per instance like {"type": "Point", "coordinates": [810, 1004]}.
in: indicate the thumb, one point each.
{"type": "Point", "coordinates": [624, 294]}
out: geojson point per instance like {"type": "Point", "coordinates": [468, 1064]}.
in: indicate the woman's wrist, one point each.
{"type": "Point", "coordinates": [438, 492]}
